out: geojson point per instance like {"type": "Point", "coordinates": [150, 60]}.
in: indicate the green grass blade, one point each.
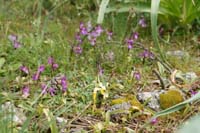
{"type": "Point", "coordinates": [51, 120]}
{"type": "Point", "coordinates": [178, 106]}
{"type": "Point", "coordinates": [102, 11]}
{"type": "Point", "coordinates": [154, 16]}
{"type": "Point", "coordinates": [138, 7]}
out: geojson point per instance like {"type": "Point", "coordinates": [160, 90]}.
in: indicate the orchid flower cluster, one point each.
{"type": "Point", "coordinates": [91, 33]}
{"type": "Point", "coordinates": [15, 41]}
{"type": "Point", "coordinates": [36, 77]}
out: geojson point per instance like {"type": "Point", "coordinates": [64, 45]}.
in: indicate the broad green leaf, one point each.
{"type": "Point", "coordinates": [102, 11]}
{"type": "Point", "coordinates": [154, 17]}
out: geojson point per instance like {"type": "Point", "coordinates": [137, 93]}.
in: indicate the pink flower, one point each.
{"type": "Point", "coordinates": [16, 44]}
{"type": "Point", "coordinates": [52, 63]}
{"type": "Point", "coordinates": [77, 49]}
{"type": "Point", "coordinates": [24, 69]}
{"type": "Point", "coordinates": [154, 121]}
{"type": "Point", "coordinates": [44, 88]}
{"type": "Point", "coordinates": [64, 83]}
{"type": "Point", "coordinates": [25, 91]}
{"type": "Point", "coordinates": [41, 68]}
{"type": "Point", "coordinates": [52, 91]}
{"type": "Point", "coordinates": [14, 40]}
{"type": "Point", "coordinates": [36, 76]}
{"type": "Point", "coordinates": [142, 22]}
{"type": "Point", "coordinates": [137, 75]}
{"type": "Point", "coordinates": [135, 35]}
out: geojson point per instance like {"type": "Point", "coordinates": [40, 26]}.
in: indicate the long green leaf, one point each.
{"type": "Point", "coordinates": [154, 16]}
{"type": "Point", "coordinates": [138, 7]}
{"type": "Point", "coordinates": [178, 106]}
{"type": "Point", "coordinates": [102, 11]}
{"type": "Point", "coordinates": [51, 120]}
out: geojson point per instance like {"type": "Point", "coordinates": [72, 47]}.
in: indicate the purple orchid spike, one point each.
{"type": "Point", "coordinates": [142, 22]}
{"type": "Point", "coordinates": [64, 83]}
{"type": "Point", "coordinates": [16, 44]}
{"type": "Point", "coordinates": [12, 38]}
{"type": "Point", "coordinates": [78, 38]}
{"type": "Point", "coordinates": [52, 91]}
{"type": "Point", "coordinates": [83, 29]}
{"type": "Point", "coordinates": [36, 76]}
{"type": "Point", "coordinates": [147, 54]}
{"type": "Point", "coordinates": [137, 75]}
{"type": "Point", "coordinates": [135, 35]}
{"type": "Point", "coordinates": [154, 121]}
{"type": "Point", "coordinates": [41, 68]}
{"type": "Point", "coordinates": [50, 60]}
{"type": "Point", "coordinates": [77, 49]}
{"type": "Point", "coordinates": [44, 88]}
{"type": "Point", "coordinates": [98, 30]}
{"type": "Point", "coordinates": [101, 71]}
{"type": "Point", "coordinates": [25, 91]}
{"type": "Point", "coordinates": [52, 63]}
{"type": "Point", "coordinates": [130, 43]}
{"type": "Point", "coordinates": [24, 69]}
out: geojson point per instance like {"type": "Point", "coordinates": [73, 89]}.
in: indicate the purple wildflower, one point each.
{"type": "Point", "coordinates": [147, 54]}
{"type": "Point", "coordinates": [16, 44]}
{"type": "Point", "coordinates": [41, 68]}
{"type": "Point", "coordinates": [137, 75]}
{"type": "Point", "coordinates": [142, 22]}
{"type": "Point", "coordinates": [12, 38]}
{"type": "Point", "coordinates": [93, 41]}
{"type": "Point", "coordinates": [130, 43]}
{"type": "Point", "coordinates": [192, 92]}
{"type": "Point", "coordinates": [135, 35]}
{"type": "Point", "coordinates": [101, 71]}
{"type": "Point", "coordinates": [98, 30]}
{"type": "Point", "coordinates": [44, 89]}
{"type": "Point", "coordinates": [77, 49]}
{"type": "Point", "coordinates": [50, 60]}
{"type": "Point", "coordinates": [55, 66]}
{"type": "Point", "coordinates": [52, 91]}
{"type": "Point", "coordinates": [37, 74]}
{"type": "Point", "coordinates": [52, 63]}
{"type": "Point", "coordinates": [78, 38]}
{"type": "Point", "coordinates": [25, 91]}
{"type": "Point", "coordinates": [109, 34]}
{"type": "Point", "coordinates": [83, 29]}
{"type": "Point", "coordinates": [64, 83]}
{"type": "Point", "coordinates": [24, 69]}
{"type": "Point", "coordinates": [89, 26]}
{"type": "Point", "coordinates": [154, 121]}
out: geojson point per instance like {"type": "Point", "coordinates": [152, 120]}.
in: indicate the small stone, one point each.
{"type": "Point", "coordinates": [152, 98]}
{"type": "Point", "coordinates": [178, 53]}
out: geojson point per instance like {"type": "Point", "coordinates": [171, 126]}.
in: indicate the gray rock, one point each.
{"type": "Point", "coordinates": [152, 98]}
{"type": "Point", "coordinates": [178, 53]}
{"type": "Point", "coordinates": [18, 116]}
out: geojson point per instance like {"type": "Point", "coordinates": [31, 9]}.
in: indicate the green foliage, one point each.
{"type": "Point", "coordinates": [178, 106]}
{"type": "Point", "coordinates": [182, 12]}
{"type": "Point", "coordinates": [102, 10]}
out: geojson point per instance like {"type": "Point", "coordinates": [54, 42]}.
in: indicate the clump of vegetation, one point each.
{"type": "Point", "coordinates": [69, 66]}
